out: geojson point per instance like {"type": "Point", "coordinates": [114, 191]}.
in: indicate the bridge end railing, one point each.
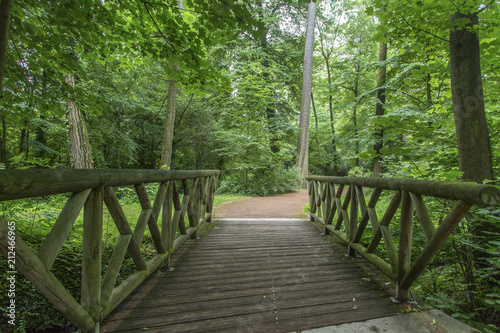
{"type": "Point", "coordinates": [91, 190]}
{"type": "Point", "coordinates": [339, 204]}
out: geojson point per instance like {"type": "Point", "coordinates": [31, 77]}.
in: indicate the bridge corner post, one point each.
{"type": "Point", "coordinates": [92, 254]}
{"type": "Point", "coordinates": [353, 221]}
{"type": "Point", "coordinates": [405, 242]}
{"type": "Point", "coordinates": [312, 200]}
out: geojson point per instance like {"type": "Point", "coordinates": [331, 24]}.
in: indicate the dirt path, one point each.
{"type": "Point", "coordinates": [276, 206]}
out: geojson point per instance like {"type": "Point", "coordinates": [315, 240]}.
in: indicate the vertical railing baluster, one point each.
{"type": "Point", "coordinates": [328, 207]}
{"type": "Point", "coordinates": [405, 241]}
{"type": "Point", "coordinates": [92, 253]}
{"type": "Point", "coordinates": [166, 219]}
{"type": "Point", "coordinates": [353, 219]}
{"type": "Point", "coordinates": [312, 199]}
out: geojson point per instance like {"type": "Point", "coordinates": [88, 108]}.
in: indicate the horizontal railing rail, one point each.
{"type": "Point", "coordinates": [91, 190]}
{"type": "Point", "coordinates": [342, 199]}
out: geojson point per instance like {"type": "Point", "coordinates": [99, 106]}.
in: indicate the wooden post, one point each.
{"type": "Point", "coordinates": [405, 241]}
{"type": "Point", "coordinates": [166, 218]}
{"type": "Point", "coordinates": [328, 207]}
{"type": "Point", "coordinates": [190, 209]}
{"type": "Point", "coordinates": [312, 199]}
{"type": "Point", "coordinates": [92, 254]}
{"type": "Point", "coordinates": [353, 221]}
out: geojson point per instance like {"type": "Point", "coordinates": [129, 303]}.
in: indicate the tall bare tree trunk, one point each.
{"type": "Point", "coordinates": [78, 136]}
{"type": "Point", "coordinates": [305, 107]}
{"type": "Point", "coordinates": [168, 130]}
{"type": "Point", "coordinates": [169, 124]}
{"type": "Point", "coordinates": [326, 55]}
{"type": "Point", "coordinates": [355, 91]}
{"type": "Point", "coordinates": [380, 110]}
{"type": "Point", "coordinates": [5, 10]}
{"type": "Point", "coordinates": [474, 154]}
{"type": "Point", "coordinates": [3, 144]}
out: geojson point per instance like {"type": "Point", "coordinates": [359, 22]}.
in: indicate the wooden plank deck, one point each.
{"type": "Point", "coordinates": [254, 276]}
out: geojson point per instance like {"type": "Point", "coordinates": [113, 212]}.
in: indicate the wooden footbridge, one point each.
{"type": "Point", "coordinates": [242, 275]}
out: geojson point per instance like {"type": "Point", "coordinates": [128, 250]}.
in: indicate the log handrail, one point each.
{"type": "Point", "coordinates": [90, 190]}
{"type": "Point", "coordinates": [325, 202]}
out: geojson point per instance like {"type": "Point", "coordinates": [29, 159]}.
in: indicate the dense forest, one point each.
{"type": "Point", "coordinates": [201, 84]}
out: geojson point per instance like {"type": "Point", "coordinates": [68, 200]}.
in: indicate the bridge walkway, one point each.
{"type": "Point", "coordinates": [255, 275]}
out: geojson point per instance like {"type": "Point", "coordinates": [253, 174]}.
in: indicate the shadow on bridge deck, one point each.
{"type": "Point", "coordinates": [254, 275]}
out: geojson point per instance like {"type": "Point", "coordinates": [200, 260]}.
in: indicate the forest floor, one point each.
{"type": "Point", "coordinates": [277, 206]}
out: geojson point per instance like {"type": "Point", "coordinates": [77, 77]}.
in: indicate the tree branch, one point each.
{"type": "Point", "coordinates": [424, 31]}
{"type": "Point", "coordinates": [146, 4]}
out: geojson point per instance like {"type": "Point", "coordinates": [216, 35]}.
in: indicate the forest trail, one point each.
{"type": "Point", "coordinates": [277, 206]}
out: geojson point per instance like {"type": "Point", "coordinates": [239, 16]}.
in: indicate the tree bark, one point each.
{"type": "Point", "coordinates": [78, 136]}
{"type": "Point", "coordinates": [5, 11]}
{"type": "Point", "coordinates": [336, 160]}
{"type": "Point", "coordinates": [168, 131]}
{"type": "Point", "coordinates": [474, 154]}
{"type": "Point", "coordinates": [305, 108]}
{"type": "Point", "coordinates": [355, 116]}
{"type": "Point", "coordinates": [380, 110]}
{"type": "Point", "coordinates": [3, 144]}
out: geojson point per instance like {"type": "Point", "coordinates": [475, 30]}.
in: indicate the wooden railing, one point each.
{"type": "Point", "coordinates": [89, 190]}
{"type": "Point", "coordinates": [353, 214]}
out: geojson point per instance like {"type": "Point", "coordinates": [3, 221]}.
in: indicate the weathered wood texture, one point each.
{"type": "Point", "coordinates": [254, 276]}
{"type": "Point", "coordinates": [90, 189]}
{"type": "Point", "coordinates": [481, 195]}
{"type": "Point", "coordinates": [351, 227]}
{"type": "Point", "coordinates": [15, 184]}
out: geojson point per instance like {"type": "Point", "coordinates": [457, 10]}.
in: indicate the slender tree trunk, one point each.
{"type": "Point", "coordinates": [5, 11]}
{"type": "Point", "coordinates": [78, 136]}
{"type": "Point", "coordinates": [270, 112]}
{"type": "Point", "coordinates": [3, 144]}
{"type": "Point", "coordinates": [326, 56]}
{"type": "Point", "coordinates": [315, 122]}
{"type": "Point", "coordinates": [380, 110]}
{"type": "Point", "coordinates": [355, 116]}
{"type": "Point", "coordinates": [23, 140]}
{"type": "Point", "coordinates": [168, 131]}
{"type": "Point", "coordinates": [169, 124]}
{"type": "Point", "coordinates": [305, 108]}
{"type": "Point", "coordinates": [474, 154]}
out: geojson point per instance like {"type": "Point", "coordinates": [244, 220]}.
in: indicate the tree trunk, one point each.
{"type": "Point", "coordinates": [355, 116]}
{"type": "Point", "coordinates": [3, 144]}
{"type": "Point", "coordinates": [474, 154]}
{"type": "Point", "coordinates": [23, 140]}
{"type": "Point", "coordinates": [5, 10]}
{"type": "Point", "coordinates": [168, 131]}
{"type": "Point", "coordinates": [336, 160]}
{"type": "Point", "coordinates": [305, 108]}
{"type": "Point", "coordinates": [78, 136]}
{"type": "Point", "coordinates": [380, 110]}
{"type": "Point", "coordinates": [315, 123]}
